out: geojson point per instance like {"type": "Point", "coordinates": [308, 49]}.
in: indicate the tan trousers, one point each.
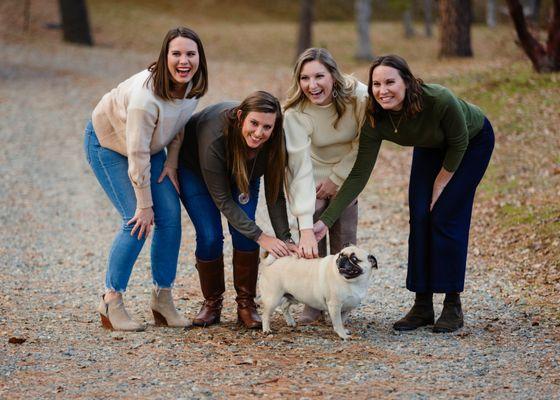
{"type": "Point", "coordinates": [344, 229]}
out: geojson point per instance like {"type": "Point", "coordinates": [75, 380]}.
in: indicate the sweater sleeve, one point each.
{"type": "Point", "coordinates": [454, 126]}
{"type": "Point", "coordinates": [140, 126]}
{"type": "Point", "coordinates": [278, 214]}
{"type": "Point", "coordinates": [301, 183]}
{"type": "Point", "coordinates": [358, 177]}
{"type": "Point", "coordinates": [216, 177]}
{"type": "Point", "coordinates": [341, 170]}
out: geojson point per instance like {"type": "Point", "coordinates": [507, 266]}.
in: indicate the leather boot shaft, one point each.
{"type": "Point", "coordinates": [212, 284]}
{"type": "Point", "coordinates": [245, 274]}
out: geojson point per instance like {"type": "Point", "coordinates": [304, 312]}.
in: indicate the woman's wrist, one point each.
{"type": "Point", "coordinates": [289, 241]}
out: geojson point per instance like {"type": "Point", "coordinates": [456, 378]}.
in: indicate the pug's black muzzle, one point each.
{"type": "Point", "coordinates": [347, 268]}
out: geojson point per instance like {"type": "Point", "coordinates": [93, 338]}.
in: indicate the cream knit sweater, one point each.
{"type": "Point", "coordinates": [317, 150]}
{"type": "Point", "coordinates": [134, 122]}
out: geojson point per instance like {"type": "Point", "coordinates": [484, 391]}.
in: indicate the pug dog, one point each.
{"type": "Point", "coordinates": [336, 283]}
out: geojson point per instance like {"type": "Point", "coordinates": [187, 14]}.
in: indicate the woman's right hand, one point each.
{"type": "Point", "coordinates": [278, 248]}
{"type": "Point", "coordinates": [307, 243]}
{"type": "Point", "coordinates": [143, 220]}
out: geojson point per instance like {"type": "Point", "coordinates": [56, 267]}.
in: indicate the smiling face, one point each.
{"type": "Point", "coordinates": [316, 83]}
{"type": "Point", "coordinates": [388, 88]}
{"type": "Point", "coordinates": [182, 60]}
{"type": "Point", "coordinates": [257, 127]}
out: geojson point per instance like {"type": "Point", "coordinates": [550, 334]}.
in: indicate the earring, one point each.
{"type": "Point", "coordinates": [334, 93]}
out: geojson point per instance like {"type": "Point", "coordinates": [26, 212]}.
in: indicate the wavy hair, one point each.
{"type": "Point", "coordinates": [412, 103]}
{"type": "Point", "coordinates": [237, 150]}
{"type": "Point", "coordinates": [160, 77]}
{"type": "Point", "coordinates": [343, 86]}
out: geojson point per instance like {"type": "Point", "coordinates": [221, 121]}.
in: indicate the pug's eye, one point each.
{"type": "Point", "coordinates": [354, 259]}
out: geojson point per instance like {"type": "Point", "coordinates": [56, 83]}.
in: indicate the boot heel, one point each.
{"type": "Point", "coordinates": [106, 323]}
{"type": "Point", "coordinates": [159, 319]}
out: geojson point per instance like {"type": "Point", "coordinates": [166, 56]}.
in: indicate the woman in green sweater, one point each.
{"type": "Point", "coordinates": [453, 142]}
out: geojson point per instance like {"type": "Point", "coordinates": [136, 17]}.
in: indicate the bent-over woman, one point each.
{"type": "Point", "coordinates": [227, 148]}
{"type": "Point", "coordinates": [453, 142]}
{"type": "Point", "coordinates": [125, 145]}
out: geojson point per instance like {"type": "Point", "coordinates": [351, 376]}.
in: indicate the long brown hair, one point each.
{"type": "Point", "coordinates": [237, 151]}
{"type": "Point", "coordinates": [412, 103]}
{"type": "Point", "coordinates": [160, 77]}
{"type": "Point", "coordinates": [343, 86]}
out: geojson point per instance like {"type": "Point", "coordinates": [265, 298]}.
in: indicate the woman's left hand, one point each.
{"type": "Point", "coordinates": [326, 189]}
{"type": "Point", "coordinates": [442, 179]}
{"type": "Point", "coordinates": [278, 248]}
{"type": "Point", "coordinates": [172, 174]}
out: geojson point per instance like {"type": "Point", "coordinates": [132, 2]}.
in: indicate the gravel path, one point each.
{"type": "Point", "coordinates": [58, 225]}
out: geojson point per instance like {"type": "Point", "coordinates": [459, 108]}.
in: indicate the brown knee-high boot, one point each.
{"type": "Point", "coordinates": [245, 273]}
{"type": "Point", "coordinates": [211, 274]}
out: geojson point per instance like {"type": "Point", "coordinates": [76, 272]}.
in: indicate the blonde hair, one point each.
{"type": "Point", "coordinates": [343, 87]}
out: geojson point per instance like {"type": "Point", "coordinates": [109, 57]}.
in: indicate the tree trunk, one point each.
{"type": "Point", "coordinates": [491, 13]}
{"type": "Point", "coordinates": [407, 23]}
{"type": "Point", "coordinates": [455, 26]}
{"type": "Point", "coordinates": [428, 17]}
{"type": "Point", "coordinates": [305, 26]}
{"type": "Point", "coordinates": [534, 7]}
{"type": "Point", "coordinates": [362, 12]}
{"type": "Point", "coordinates": [75, 23]}
{"type": "Point", "coordinates": [544, 59]}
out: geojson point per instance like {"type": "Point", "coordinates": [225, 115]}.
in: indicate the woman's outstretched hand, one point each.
{"type": "Point", "coordinates": [307, 244]}
{"type": "Point", "coordinates": [320, 230]}
{"type": "Point", "coordinates": [274, 246]}
{"type": "Point", "coordinates": [172, 174]}
{"type": "Point", "coordinates": [143, 220]}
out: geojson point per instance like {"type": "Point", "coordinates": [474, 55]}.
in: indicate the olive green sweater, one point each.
{"type": "Point", "coordinates": [445, 122]}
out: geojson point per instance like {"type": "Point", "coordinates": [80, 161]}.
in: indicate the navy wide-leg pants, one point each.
{"type": "Point", "coordinates": [438, 241]}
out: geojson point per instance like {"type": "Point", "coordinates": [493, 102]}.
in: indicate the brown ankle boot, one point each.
{"type": "Point", "coordinates": [451, 317]}
{"type": "Point", "coordinates": [245, 272]}
{"type": "Point", "coordinates": [421, 314]}
{"type": "Point", "coordinates": [211, 274]}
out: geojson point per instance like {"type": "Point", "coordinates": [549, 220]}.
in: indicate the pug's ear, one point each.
{"type": "Point", "coordinates": [372, 260]}
{"type": "Point", "coordinates": [347, 244]}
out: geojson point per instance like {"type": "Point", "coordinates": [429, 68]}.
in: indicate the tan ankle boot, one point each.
{"type": "Point", "coordinates": [245, 273]}
{"type": "Point", "coordinates": [115, 317]}
{"type": "Point", "coordinates": [212, 284]}
{"type": "Point", "coordinates": [164, 310]}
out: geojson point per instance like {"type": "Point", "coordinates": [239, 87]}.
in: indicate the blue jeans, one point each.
{"type": "Point", "coordinates": [111, 170]}
{"type": "Point", "coordinates": [206, 217]}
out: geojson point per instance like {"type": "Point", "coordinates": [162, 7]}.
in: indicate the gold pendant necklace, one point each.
{"type": "Point", "coordinates": [395, 127]}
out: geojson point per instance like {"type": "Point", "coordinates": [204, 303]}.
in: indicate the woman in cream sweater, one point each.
{"type": "Point", "coordinates": [125, 145]}
{"type": "Point", "coordinates": [323, 115]}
